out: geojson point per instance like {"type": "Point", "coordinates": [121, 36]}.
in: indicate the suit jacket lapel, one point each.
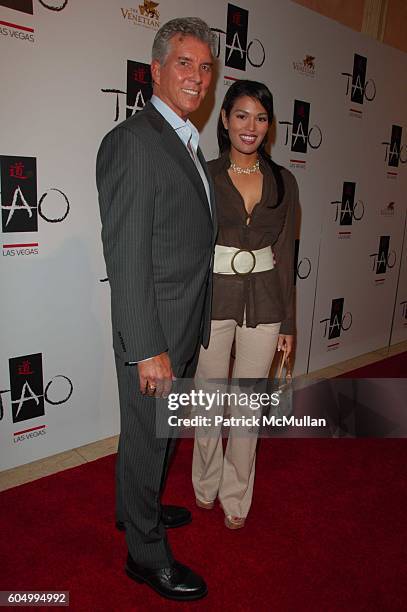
{"type": "Point", "coordinates": [178, 151]}
{"type": "Point", "coordinates": [211, 192]}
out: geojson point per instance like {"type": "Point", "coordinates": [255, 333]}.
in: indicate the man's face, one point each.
{"type": "Point", "coordinates": [183, 80]}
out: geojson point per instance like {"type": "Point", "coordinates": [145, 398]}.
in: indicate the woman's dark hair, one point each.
{"type": "Point", "coordinates": [257, 91]}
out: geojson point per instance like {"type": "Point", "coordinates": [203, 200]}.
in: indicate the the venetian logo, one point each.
{"type": "Point", "coordinates": [146, 15]}
{"type": "Point", "coordinates": [306, 67]}
{"type": "Point", "coordinates": [389, 210]}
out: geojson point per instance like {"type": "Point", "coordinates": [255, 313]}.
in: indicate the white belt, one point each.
{"type": "Point", "coordinates": [231, 260]}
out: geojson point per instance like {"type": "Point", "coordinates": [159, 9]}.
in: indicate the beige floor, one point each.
{"type": "Point", "coordinates": [90, 452]}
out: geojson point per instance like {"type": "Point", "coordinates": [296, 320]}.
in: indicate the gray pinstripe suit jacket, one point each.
{"type": "Point", "coordinates": [158, 238]}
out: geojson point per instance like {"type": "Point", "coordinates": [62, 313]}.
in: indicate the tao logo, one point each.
{"type": "Point", "coordinates": [18, 176]}
{"type": "Point", "coordinates": [395, 151]}
{"type": "Point", "coordinates": [236, 48]}
{"type": "Point", "coordinates": [384, 259]}
{"type": "Point", "coordinates": [301, 135]}
{"type": "Point", "coordinates": [337, 322]}
{"type": "Point", "coordinates": [302, 267]}
{"type": "Point", "coordinates": [360, 88]}
{"type": "Point", "coordinates": [27, 388]}
{"type": "Point", "coordinates": [347, 210]}
{"type": "Point", "coordinates": [139, 89]}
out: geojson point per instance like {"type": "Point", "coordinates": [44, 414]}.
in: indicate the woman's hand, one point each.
{"type": "Point", "coordinates": [285, 343]}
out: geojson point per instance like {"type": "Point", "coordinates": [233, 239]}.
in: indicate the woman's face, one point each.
{"type": "Point", "coordinates": [247, 125]}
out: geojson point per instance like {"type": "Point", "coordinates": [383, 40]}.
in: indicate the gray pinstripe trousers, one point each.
{"type": "Point", "coordinates": [141, 467]}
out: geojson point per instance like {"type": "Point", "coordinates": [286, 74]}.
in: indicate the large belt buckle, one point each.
{"type": "Point", "coordinates": [246, 271]}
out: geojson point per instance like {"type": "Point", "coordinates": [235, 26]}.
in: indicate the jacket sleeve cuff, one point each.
{"type": "Point", "coordinates": [287, 327]}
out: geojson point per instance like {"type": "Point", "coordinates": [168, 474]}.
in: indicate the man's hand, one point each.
{"type": "Point", "coordinates": [285, 343]}
{"type": "Point", "coordinates": [156, 376]}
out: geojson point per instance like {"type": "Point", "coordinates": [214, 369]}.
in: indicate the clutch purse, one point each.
{"type": "Point", "coordinates": [282, 384]}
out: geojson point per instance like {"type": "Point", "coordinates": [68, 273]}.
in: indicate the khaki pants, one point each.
{"type": "Point", "coordinates": [231, 477]}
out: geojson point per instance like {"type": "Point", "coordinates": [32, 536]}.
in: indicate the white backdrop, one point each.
{"type": "Point", "coordinates": [57, 380]}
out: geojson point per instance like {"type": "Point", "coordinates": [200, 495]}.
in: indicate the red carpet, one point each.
{"type": "Point", "coordinates": [327, 531]}
{"type": "Point", "coordinates": [392, 367]}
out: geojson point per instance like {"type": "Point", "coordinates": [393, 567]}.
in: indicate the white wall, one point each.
{"type": "Point", "coordinates": [53, 109]}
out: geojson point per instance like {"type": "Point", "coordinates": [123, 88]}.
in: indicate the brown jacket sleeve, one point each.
{"type": "Point", "coordinates": [284, 252]}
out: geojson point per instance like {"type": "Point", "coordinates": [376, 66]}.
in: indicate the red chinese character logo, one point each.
{"type": "Point", "coordinates": [301, 111]}
{"type": "Point", "coordinates": [140, 74]}
{"type": "Point", "coordinates": [25, 368]}
{"type": "Point", "coordinates": [17, 170]}
{"type": "Point", "coordinates": [236, 18]}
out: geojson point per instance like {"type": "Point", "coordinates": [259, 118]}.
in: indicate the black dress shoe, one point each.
{"type": "Point", "coordinates": [175, 516]}
{"type": "Point", "coordinates": [171, 516]}
{"type": "Point", "coordinates": [174, 582]}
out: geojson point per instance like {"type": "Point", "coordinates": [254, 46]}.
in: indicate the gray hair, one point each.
{"type": "Point", "coordinates": [186, 26]}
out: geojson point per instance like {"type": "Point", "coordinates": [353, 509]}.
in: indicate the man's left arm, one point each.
{"type": "Point", "coordinates": [126, 182]}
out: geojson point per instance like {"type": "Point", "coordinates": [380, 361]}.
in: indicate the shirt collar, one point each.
{"type": "Point", "coordinates": [185, 129]}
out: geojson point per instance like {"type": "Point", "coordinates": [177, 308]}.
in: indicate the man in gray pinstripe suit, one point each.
{"type": "Point", "coordinates": [158, 217]}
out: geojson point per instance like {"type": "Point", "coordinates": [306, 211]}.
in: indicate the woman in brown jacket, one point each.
{"type": "Point", "coordinates": [253, 285]}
